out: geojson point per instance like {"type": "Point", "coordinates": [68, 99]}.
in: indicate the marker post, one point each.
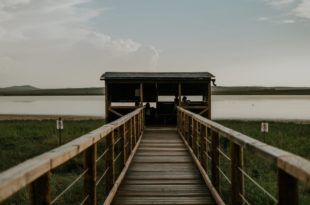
{"type": "Point", "coordinates": [60, 127]}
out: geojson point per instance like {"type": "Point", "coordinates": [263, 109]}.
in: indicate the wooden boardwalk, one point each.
{"type": "Point", "coordinates": [162, 172]}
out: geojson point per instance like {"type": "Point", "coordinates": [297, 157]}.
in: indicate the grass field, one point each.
{"type": "Point", "coordinates": [292, 137]}
{"type": "Point", "coordinates": [20, 140]}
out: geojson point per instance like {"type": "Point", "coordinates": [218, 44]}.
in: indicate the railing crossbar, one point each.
{"type": "Point", "coordinates": [223, 154]}
{"type": "Point", "coordinates": [258, 185]}
{"type": "Point", "coordinates": [102, 155]}
{"type": "Point", "coordinates": [102, 176]}
{"type": "Point", "coordinates": [69, 186]}
{"type": "Point", "coordinates": [244, 199]}
{"type": "Point", "coordinates": [84, 200]}
{"type": "Point", "coordinates": [224, 175]}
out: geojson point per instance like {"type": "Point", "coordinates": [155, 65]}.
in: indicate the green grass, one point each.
{"type": "Point", "coordinates": [292, 137]}
{"type": "Point", "coordinates": [21, 140]}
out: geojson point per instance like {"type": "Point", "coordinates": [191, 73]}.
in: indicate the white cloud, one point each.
{"type": "Point", "coordinates": [303, 9]}
{"type": "Point", "coordinates": [262, 18]}
{"type": "Point", "coordinates": [50, 36]}
{"type": "Point", "coordinates": [279, 3]}
{"type": "Point", "coordinates": [288, 21]}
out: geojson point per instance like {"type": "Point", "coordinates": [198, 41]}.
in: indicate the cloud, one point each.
{"type": "Point", "coordinates": [263, 18]}
{"type": "Point", "coordinates": [288, 21]}
{"type": "Point", "coordinates": [55, 37]}
{"type": "Point", "coordinates": [279, 3]}
{"type": "Point", "coordinates": [302, 10]}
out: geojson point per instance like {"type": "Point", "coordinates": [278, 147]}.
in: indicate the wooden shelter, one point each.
{"type": "Point", "coordinates": [159, 92]}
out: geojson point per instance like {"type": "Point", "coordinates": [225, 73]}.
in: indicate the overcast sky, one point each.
{"type": "Point", "coordinates": [70, 43]}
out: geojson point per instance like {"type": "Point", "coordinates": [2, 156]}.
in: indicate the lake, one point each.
{"type": "Point", "coordinates": [268, 107]}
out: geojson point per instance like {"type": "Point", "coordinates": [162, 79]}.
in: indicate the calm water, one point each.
{"type": "Point", "coordinates": [224, 107]}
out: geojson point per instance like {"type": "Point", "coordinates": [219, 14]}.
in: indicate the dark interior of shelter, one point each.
{"type": "Point", "coordinates": [159, 93]}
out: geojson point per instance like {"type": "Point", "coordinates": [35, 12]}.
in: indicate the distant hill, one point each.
{"type": "Point", "coordinates": [19, 88]}
{"type": "Point", "coordinates": [257, 90]}
{"type": "Point", "coordinates": [26, 90]}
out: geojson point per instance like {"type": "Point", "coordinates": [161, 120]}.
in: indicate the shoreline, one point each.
{"type": "Point", "coordinates": [7, 117]}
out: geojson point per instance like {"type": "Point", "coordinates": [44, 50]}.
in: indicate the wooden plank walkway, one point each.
{"type": "Point", "coordinates": [162, 172]}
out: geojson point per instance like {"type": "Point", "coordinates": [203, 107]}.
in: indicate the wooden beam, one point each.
{"type": "Point", "coordinates": [115, 112]}
{"type": "Point", "coordinates": [91, 175]}
{"type": "Point", "coordinates": [237, 181]}
{"type": "Point", "coordinates": [215, 160]}
{"type": "Point", "coordinates": [107, 101]}
{"type": "Point", "coordinates": [209, 101]}
{"type": "Point", "coordinates": [287, 189]}
{"type": "Point", "coordinates": [141, 94]}
{"type": "Point", "coordinates": [179, 93]}
{"type": "Point", "coordinates": [40, 190]}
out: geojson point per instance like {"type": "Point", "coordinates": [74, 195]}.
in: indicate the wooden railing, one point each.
{"type": "Point", "coordinates": [202, 136]}
{"type": "Point", "coordinates": [121, 139]}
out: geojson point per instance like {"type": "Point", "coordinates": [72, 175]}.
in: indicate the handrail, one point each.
{"type": "Point", "coordinates": [291, 168]}
{"type": "Point", "coordinates": [35, 171]}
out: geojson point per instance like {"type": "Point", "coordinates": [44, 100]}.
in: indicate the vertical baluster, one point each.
{"type": "Point", "coordinates": [194, 136]}
{"type": "Point", "coordinates": [130, 134]}
{"type": "Point", "coordinates": [110, 179]}
{"type": "Point", "coordinates": [135, 129]}
{"type": "Point", "coordinates": [287, 188]}
{"type": "Point", "coordinates": [237, 181]}
{"type": "Point", "coordinates": [203, 146]}
{"type": "Point", "coordinates": [215, 160]}
{"type": "Point", "coordinates": [40, 190]}
{"type": "Point", "coordinates": [123, 144]}
{"type": "Point", "coordinates": [90, 176]}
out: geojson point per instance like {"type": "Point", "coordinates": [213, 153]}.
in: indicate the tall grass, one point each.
{"type": "Point", "coordinates": [21, 140]}
{"type": "Point", "coordinates": [292, 137]}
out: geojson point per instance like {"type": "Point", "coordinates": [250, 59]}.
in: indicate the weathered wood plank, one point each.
{"type": "Point", "coordinates": [162, 173]}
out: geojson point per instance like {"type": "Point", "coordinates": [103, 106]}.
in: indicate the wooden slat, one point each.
{"type": "Point", "coordinates": [162, 173]}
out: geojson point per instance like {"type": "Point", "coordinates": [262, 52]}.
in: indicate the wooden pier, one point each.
{"type": "Point", "coordinates": [162, 172]}
{"type": "Point", "coordinates": [128, 161]}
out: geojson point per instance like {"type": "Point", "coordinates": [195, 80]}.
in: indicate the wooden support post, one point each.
{"type": "Point", "coordinates": [287, 188]}
{"type": "Point", "coordinates": [203, 147]}
{"type": "Point", "coordinates": [209, 101]}
{"type": "Point", "coordinates": [107, 102]}
{"type": "Point", "coordinates": [135, 129]}
{"type": "Point", "coordinates": [215, 160]}
{"type": "Point", "coordinates": [124, 145]}
{"type": "Point", "coordinates": [237, 181]}
{"type": "Point", "coordinates": [141, 94]}
{"type": "Point", "coordinates": [130, 134]}
{"type": "Point", "coordinates": [179, 92]}
{"type": "Point", "coordinates": [110, 159]}
{"type": "Point", "coordinates": [40, 190]}
{"type": "Point", "coordinates": [90, 176]}
{"type": "Point", "coordinates": [194, 136]}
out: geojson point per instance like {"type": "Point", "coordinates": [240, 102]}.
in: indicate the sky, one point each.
{"type": "Point", "coordinates": [70, 43]}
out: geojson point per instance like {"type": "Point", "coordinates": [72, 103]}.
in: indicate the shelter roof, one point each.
{"type": "Point", "coordinates": [156, 76]}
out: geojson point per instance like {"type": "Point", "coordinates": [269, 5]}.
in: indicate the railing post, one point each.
{"type": "Point", "coordinates": [203, 146]}
{"type": "Point", "coordinates": [110, 160]}
{"type": "Point", "coordinates": [237, 181]}
{"type": "Point", "coordinates": [189, 139]}
{"type": "Point", "coordinates": [194, 136]}
{"type": "Point", "coordinates": [90, 176]}
{"type": "Point", "coordinates": [124, 145]}
{"type": "Point", "coordinates": [135, 129]}
{"type": "Point", "coordinates": [40, 190]}
{"type": "Point", "coordinates": [287, 188]}
{"type": "Point", "coordinates": [215, 160]}
{"type": "Point", "coordinates": [130, 134]}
